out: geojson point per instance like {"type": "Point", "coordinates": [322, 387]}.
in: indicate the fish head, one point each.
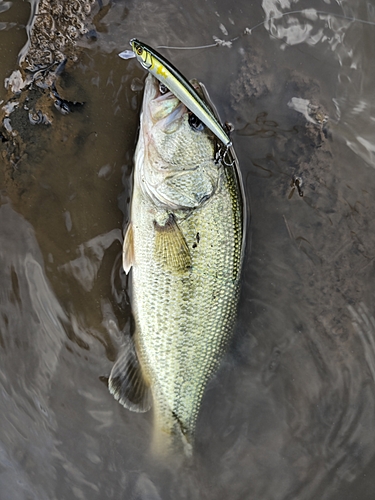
{"type": "Point", "coordinates": [177, 150]}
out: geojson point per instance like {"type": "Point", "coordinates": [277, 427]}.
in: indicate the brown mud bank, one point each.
{"type": "Point", "coordinates": [44, 86]}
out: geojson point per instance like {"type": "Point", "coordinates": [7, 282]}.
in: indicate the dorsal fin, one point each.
{"type": "Point", "coordinates": [126, 382]}
{"type": "Point", "coordinates": [128, 249]}
{"type": "Point", "coordinates": [171, 248]}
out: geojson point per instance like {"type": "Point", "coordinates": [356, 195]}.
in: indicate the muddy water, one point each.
{"type": "Point", "coordinates": [291, 412]}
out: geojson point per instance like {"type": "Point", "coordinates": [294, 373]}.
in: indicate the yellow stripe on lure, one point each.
{"type": "Point", "coordinates": [167, 74]}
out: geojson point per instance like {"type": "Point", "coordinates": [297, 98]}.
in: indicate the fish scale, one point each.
{"type": "Point", "coordinates": [190, 315]}
{"type": "Point", "coordinates": [184, 315]}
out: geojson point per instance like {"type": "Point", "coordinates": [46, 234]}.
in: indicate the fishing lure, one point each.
{"type": "Point", "coordinates": [169, 76]}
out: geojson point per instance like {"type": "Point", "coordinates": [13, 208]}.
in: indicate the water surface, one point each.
{"type": "Point", "coordinates": [291, 412]}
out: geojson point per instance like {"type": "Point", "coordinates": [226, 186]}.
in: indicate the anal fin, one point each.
{"type": "Point", "coordinates": [171, 248]}
{"type": "Point", "coordinates": [126, 382]}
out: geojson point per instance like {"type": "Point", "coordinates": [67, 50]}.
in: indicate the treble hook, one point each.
{"type": "Point", "coordinates": [227, 148]}
{"type": "Point", "coordinates": [221, 155]}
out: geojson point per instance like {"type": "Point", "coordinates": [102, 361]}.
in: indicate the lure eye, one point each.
{"type": "Point", "coordinates": [195, 123]}
{"type": "Point", "coordinates": [139, 50]}
{"type": "Point", "coordinates": [162, 89]}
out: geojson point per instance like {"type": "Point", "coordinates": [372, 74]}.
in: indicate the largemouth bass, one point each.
{"type": "Point", "coordinates": [185, 245]}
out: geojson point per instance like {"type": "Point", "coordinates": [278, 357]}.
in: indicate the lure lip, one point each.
{"type": "Point", "coordinates": [181, 88]}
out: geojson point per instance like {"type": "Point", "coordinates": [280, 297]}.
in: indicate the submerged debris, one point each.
{"type": "Point", "coordinates": [55, 28]}
{"type": "Point", "coordinates": [15, 83]}
{"type": "Point", "coordinates": [38, 118]}
{"type": "Point", "coordinates": [312, 112]}
{"type": "Point", "coordinates": [45, 62]}
{"type": "Point", "coordinates": [296, 183]}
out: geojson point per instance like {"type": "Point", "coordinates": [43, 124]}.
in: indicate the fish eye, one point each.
{"type": "Point", "coordinates": [139, 50]}
{"type": "Point", "coordinates": [163, 89]}
{"type": "Point", "coordinates": [195, 123]}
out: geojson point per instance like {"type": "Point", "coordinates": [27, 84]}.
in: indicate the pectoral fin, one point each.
{"type": "Point", "coordinates": [128, 249]}
{"type": "Point", "coordinates": [171, 248]}
{"type": "Point", "coordinates": [126, 382]}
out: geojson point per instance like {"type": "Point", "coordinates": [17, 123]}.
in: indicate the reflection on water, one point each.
{"type": "Point", "coordinates": [351, 43]}
{"type": "Point", "coordinates": [31, 340]}
{"type": "Point", "coordinates": [290, 414]}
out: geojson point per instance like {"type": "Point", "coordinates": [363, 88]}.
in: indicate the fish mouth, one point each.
{"type": "Point", "coordinates": [163, 107]}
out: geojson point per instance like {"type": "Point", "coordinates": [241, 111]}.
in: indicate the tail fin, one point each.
{"type": "Point", "coordinates": [126, 381]}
